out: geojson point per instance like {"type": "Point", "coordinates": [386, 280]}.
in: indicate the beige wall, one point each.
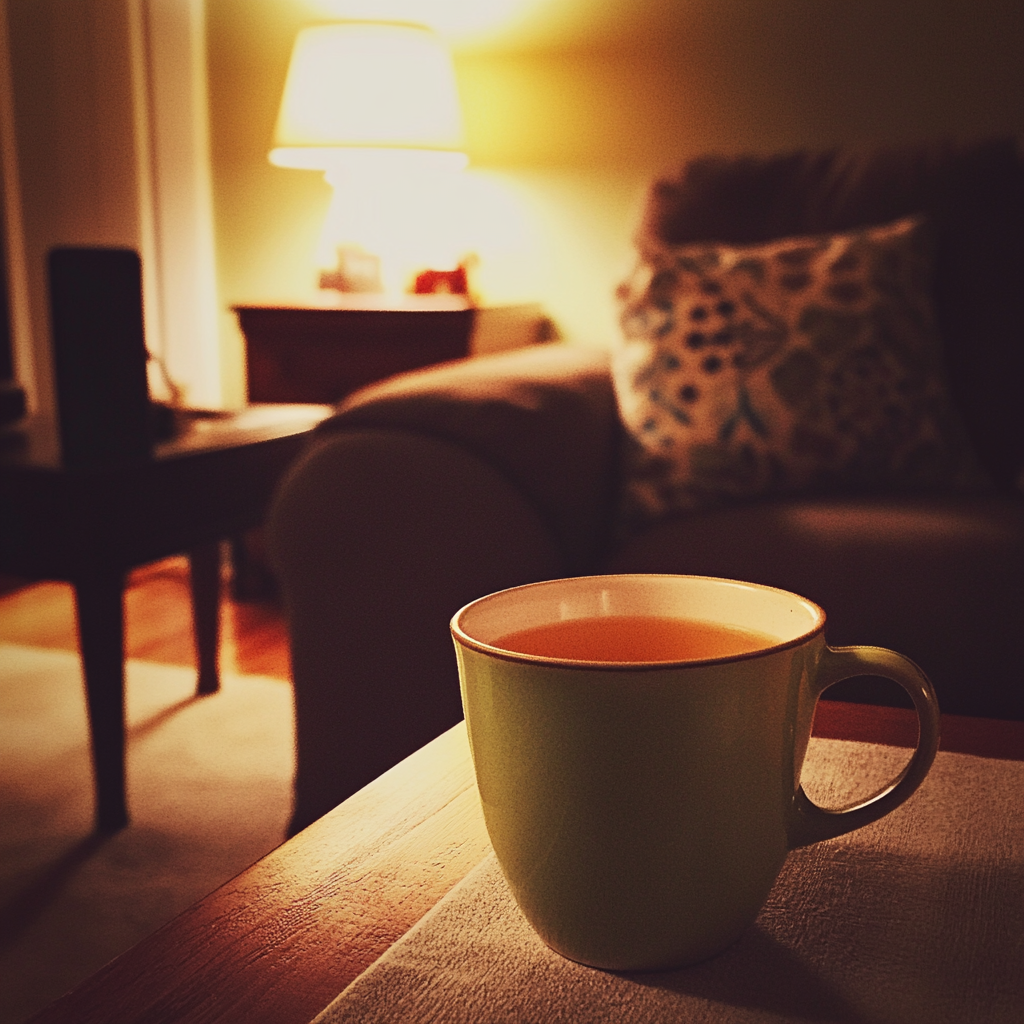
{"type": "Point", "coordinates": [103, 134]}
{"type": "Point", "coordinates": [573, 111]}
{"type": "Point", "coordinates": [70, 78]}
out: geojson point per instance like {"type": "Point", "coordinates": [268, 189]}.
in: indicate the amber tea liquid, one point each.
{"type": "Point", "coordinates": [628, 638]}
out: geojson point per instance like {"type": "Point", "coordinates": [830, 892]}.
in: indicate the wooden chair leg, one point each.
{"type": "Point", "coordinates": [205, 562]}
{"type": "Point", "coordinates": [99, 608]}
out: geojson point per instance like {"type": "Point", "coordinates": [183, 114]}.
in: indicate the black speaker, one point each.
{"type": "Point", "coordinates": [99, 355]}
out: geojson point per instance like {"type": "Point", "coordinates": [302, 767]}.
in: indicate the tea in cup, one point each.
{"type": "Point", "coordinates": [638, 741]}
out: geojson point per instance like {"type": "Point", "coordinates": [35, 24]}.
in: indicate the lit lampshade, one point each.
{"type": "Point", "coordinates": [375, 106]}
{"type": "Point", "coordinates": [361, 84]}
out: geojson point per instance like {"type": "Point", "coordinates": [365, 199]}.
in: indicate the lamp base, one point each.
{"type": "Point", "coordinates": [399, 205]}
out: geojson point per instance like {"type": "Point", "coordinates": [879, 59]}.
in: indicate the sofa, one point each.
{"type": "Point", "coordinates": [431, 489]}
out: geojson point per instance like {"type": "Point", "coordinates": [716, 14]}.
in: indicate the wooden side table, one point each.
{"type": "Point", "coordinates": [89, 526]}
{"type": "Point", "coordinates": [322, 352]}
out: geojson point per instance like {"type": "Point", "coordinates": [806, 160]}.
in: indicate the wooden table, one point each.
{"type": "Point", "coordinates": [89, 525]}
{"type": "Point", "coordinates": [281, 940]}
{"type": "Point", "coordinates": [323, 351]}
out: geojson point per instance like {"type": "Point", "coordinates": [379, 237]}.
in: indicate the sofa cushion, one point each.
{"type": "Point", "coordinates": [937, 579]}
{"type": "Point", "coordinates": [971, 193]}
{"type": "Point", "coordinates": [804, 365]}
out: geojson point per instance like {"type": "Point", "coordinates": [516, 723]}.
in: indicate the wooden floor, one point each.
{"type": "Point", "coordinates": [158, 622]}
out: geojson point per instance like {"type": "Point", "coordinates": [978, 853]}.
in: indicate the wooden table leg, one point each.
{"type": "Point", "coordinates": [204, 563]}
{"type": "Point", "coordinates": [99, 607]}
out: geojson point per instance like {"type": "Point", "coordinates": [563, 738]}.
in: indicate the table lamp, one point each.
{"type": "Point", "coordinates": [375, 106]}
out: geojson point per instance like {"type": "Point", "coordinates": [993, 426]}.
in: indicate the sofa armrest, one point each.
{"type": "Point", "coordinates": [420, 494]}
{"type": "Point", "coordinates": [544, 417]}
{"type": "Point", "coordinates": [378, 537]}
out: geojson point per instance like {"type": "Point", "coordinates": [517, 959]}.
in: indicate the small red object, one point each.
{"type": "Point", "coordinates": [431, 282]}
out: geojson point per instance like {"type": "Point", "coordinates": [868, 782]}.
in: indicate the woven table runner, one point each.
{"type": "Point", "coordinates": [916, 918]}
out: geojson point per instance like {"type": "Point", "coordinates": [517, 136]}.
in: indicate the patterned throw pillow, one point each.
{"type": "Point", "coordinates": [800, 365]}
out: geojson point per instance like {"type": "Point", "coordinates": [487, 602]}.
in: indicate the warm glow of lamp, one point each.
{"type": "Point", "coordinates": [462, 19]}
{"type": "Point", "coordinates": [375, 106]}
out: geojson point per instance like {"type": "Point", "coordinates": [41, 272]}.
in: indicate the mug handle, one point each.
{"type": "Point", "coordinates": [810, 823]}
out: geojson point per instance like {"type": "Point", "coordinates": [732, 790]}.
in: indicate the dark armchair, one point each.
{"type": "Point", "coordinates": [431, 489]}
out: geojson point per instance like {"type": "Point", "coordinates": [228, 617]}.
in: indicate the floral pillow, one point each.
{"type": "Point", "coordinates": [804, 364]}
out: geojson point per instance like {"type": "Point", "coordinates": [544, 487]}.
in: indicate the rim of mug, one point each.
{"type": "Point", "coordinates": [462, 637]}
